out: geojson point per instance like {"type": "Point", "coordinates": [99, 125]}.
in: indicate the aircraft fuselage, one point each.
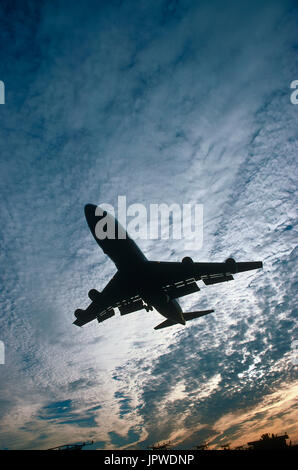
{"type": "Point", "coordinates": [129, 259]}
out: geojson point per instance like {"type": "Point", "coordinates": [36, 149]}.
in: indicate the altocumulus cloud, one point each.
{"type": "Point", "coordinates": [171, 102]}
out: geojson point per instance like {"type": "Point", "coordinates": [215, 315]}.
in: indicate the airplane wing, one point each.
{"type": "Point", "coordinates": [175, 278]}
{"type": "Point", "coordinates": [179, 278]}
{"type": "Point", "coordinates": [117, 293]}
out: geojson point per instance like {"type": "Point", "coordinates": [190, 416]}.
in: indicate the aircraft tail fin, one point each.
{"type": "Point", "coordinates": [188, 316]}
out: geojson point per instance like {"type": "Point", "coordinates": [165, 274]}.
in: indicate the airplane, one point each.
{"type": "Point", "coordinates": [143, 284]}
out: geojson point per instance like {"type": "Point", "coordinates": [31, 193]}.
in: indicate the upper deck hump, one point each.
{"type": "Point", "coordinates": [113, 238]}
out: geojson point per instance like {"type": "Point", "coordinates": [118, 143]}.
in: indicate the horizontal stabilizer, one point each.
{"type": "Point", "coordinates": [199, 313]}
{"type": "Point", "coordinates": [165, 324]}
{"type": "Point", "coordinates": [187, 316]}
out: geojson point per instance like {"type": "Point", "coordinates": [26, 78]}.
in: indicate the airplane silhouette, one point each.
{"type": "Point", "coordinates": [143, 284]}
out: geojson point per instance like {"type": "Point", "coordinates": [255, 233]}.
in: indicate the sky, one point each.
{"type": "Point", "coordinates": [162, 102]}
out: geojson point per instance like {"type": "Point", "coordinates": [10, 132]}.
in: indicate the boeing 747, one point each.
{"type": "Point", "coordinates": [143, 284]}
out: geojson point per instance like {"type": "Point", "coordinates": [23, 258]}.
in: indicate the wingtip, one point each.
{"type": "Point", "coordinates": [258, 264]}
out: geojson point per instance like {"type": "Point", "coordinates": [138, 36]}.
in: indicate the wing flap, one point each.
{"type": "Point", "coordinates": [131, 306]}
{"type": "Point", "coordinates": [181, 288]}
{"type": "Point", "coordinates": [217, 279]}
{"type": "Point", "coordinates": [106, 315]}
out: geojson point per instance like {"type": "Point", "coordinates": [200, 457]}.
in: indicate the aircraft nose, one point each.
{"type": "Point", "coordinates": [89, 210]}
{"type": "Point", "coordinates": [90, 215]}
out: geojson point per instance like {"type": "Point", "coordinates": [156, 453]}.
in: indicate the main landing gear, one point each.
{"type": "Point", "coordinates": [148, 307]}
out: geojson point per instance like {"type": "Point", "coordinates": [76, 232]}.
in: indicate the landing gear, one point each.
{"type": "Point", "coordinates": [148, 307]}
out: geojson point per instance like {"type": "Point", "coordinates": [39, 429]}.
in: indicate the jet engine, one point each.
{"type": "Point", "coordinates": [94, 295]}
{"type": "Point", "coordinates": [231, 264]}
{"type": "Point", "coordinates": [78, 312]}
{"type": "Point", "coordinates": [187, 260]}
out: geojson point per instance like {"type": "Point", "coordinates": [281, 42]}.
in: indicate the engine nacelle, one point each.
{"type": "Point", "coordinates": [187, 260]}
{"type": "Point", "coordinates": [78, 312]}
{"type": "Point", "coordinates": [94, 295]}
{"type": "Point", "coordinates": [231, 264]}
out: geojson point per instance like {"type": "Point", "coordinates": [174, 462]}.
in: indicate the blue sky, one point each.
{"type": "Point", "coordinates": [166, 101]}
